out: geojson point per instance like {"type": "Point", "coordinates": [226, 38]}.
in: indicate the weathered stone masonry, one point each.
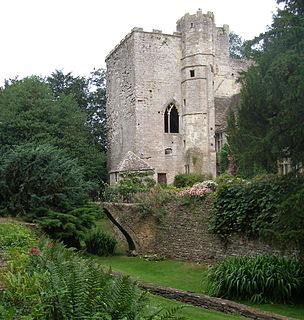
{"type": "Point", "coordinates": [167, 96]}
{"type": "Point", "coordinates": [181, 234]}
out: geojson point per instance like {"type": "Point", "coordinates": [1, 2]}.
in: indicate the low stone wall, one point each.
{"type": "Point", "coordinates": [181, 233]}
{"type": "Point", "coordinates": [206, 302]}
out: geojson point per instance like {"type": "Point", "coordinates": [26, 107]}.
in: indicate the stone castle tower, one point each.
{"type": "Point", "coordinates": [167, 96]}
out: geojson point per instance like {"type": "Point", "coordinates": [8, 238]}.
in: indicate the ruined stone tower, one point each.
{"type": "Point", "coordinates": [167, 97]}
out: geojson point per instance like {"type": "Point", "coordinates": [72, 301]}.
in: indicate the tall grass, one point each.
{"type": "Point", "coordinates": [100, 243]}
{"type": "Point", "coordinates": [260, 279]}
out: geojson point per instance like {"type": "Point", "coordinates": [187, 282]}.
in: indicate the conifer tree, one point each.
{"type": "Point", "coordinates": [270, 117]}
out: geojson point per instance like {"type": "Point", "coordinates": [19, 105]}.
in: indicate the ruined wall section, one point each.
{"type": "Point", "coordinates": [120, 102]}
{"type": "Point", "coordinates": [157, 73]}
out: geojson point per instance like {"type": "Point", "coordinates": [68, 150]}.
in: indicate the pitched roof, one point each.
{"type": "Point", "coordinates": [132, 162]}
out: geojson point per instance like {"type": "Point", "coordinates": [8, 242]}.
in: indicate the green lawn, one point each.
{"type": "Point", "coordinates": [190, 312]}
{"type": "Point", "coordinates": [185, 276]}
{"type": "Point", "coordinates": [169, 273]}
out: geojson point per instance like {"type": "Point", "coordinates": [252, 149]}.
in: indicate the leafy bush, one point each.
{"type": "Point", "coordinates": [288, 225]}
{"type": "Point", "coordinates": [15, 238]}
{"type": "Point", "coordinates": [193, 196]}
{"type": "Point", "coordinates": [15, 235]}
{"type": "Point", "coordinates": [153, 202]}
{"type": "Point", "coordinates": [189, 179]}
{"type": "Point", "coordinates": [70, 227]}
{"type": "Point", "coordinates": [223, 158]}
{"type": "Point", "coordinates": [57, 283]}
{"type": "Point", "coordinates": [260, 279]}
{"type": "Point", "coordinates": [34, 176]}
{"type": "Point", "coordinates": [100, 243]}
{"type": "Point", "coordinates": [130, 184]}
{"type": "Point", "coordinates": [253, 206]}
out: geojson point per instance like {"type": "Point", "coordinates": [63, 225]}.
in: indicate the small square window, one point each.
{"type": "Point", "coordinates": [168, 151]}
{"type": "Point", "coordinates": [192, 73]}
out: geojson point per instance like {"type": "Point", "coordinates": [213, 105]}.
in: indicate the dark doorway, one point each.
{"type": "Point", "coordinates": [162, 178]}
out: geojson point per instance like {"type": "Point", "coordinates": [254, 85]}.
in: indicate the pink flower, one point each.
{"type": "Point", "coordinates": [49, 244]}
{"type": "Point", "coordinates": [34, 250]}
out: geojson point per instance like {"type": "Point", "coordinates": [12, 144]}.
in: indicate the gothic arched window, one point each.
{"type": "Point", "coordinates": [171, 119]}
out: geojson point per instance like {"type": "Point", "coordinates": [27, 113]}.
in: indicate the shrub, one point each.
{"type": "Point", "coordinates": [130, 184]}
{"type": "Point", "coordinates": [260, 279]}
{"type": "Point", "coordinates": [70, 227]}
{"type": "Point", "coordinates": [100, 243]}
{"type": "Point", "coordinates": [15, 238]}
{"type": "Point", "coordinates": [250, 207]}
{"type": "Point", "coordinates": [223, 158]}
{"type": "Point", "coordinates": [153, 202]}
{"type": "Point", "coordinates": [34, 176]}
{"type": "Point", "coordinates": [288, 225]}
{"type": "Point", "coordinates": [57, 283]}
{"type": "Point", "coordinates": [189, 179]}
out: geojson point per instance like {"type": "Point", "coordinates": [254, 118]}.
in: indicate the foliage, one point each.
{"type": "Point", "coordinates": [259, 279]}
{"type": "Point", "coordinates": [56, 283]}
{"type": "Point", "coordinates": [225, 179]}
{"type": "Point", "coordinates": [236, 44]}
{"type": "Point", "coordinates": [15, 235]}
{"type": "Point", "coordinates": [269, 120]}
{"type": "Point", "coordinates": [90, 95]}
{"type": "Point", "coordinates": [153, 202]}
{"type": "Point", "coordinates": [199, 190]}
{"type": "Point", "coordinates": [40, 176]}
{"type": "Point", "coordinates": [194, 196]}
{"type": "Point", "coordinates": [259, 207]}
{"type": "Point", "coordinates": [70, 227]}
{"type": "Point", "coordinates": [223, 158]}
{"type": "Point", "coordinates": [15, 238]}
{"type": "Point", "coordinates": [130, 184]}
{"type": "Point", "coordinates": [100, 243]}
{"type": "Point", "coordinates": [288, 226]}
{"type": "Point", "coordinates": [29, 112]}
{"type": "Point", "coordinates": [189, 179]}
{"type": "Point", "coordinates": [153, 257]}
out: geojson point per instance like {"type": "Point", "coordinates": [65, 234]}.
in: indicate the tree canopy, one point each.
{"type": "Point", "coordinates": [60, 111]}
{"type": "Point", "coordinates": [269, 122]}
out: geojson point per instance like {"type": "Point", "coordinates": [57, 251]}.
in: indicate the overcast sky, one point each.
{"type": "Point", "coordinates": [39, 36]}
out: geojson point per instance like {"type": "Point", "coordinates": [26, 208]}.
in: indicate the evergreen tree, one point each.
{"type": "Point", "coordinates": [29, 112]}
{"type": "Point", "coordinates": [269, 122]}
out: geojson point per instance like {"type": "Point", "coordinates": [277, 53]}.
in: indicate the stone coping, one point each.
{"type": "Point", "coordinates": [212, 303]}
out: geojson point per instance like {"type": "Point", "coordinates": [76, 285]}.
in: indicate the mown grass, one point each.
{"type": "Point", "coordinates": [169, 273]}
{"type": "Point", "coordinates": [184, 276]}
{"type": "Point", "coordinates": [190, 312]}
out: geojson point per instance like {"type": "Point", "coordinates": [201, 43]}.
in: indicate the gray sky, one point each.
{"type": "Point", "coordinates": [39, 36]}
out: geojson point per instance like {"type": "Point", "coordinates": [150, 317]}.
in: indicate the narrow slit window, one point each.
{"type": "Point", "coordinates": [192, 73]}
{"type": "Point", "coordinates": [171, 119]}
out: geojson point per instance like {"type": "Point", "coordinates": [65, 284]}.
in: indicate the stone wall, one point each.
{"type": "Point", "coordinates": [178, 232]}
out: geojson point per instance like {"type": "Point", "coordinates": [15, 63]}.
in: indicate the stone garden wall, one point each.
{"type": "Point", "coordinates": [179, 232]}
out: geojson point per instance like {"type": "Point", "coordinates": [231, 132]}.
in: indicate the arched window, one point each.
{"type": "Point", "coordinates": [171, 119]}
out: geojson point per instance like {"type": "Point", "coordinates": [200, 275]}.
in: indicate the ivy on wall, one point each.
{"type": "Point", "coordinates": [268, 205]}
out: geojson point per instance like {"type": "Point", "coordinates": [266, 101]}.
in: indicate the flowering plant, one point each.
{"type": "Point", "coordinates": [231, 166]}
{"type": "Point", "coordinates": [34, 250]}
{"type": "Point", "coordinates": [199, 190]}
